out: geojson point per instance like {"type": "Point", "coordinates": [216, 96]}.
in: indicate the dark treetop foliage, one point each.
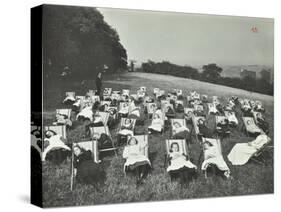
{"type": "Point", "coordinates": [211, 73]}
{"type": "Point", "coordinates": [78, 42]}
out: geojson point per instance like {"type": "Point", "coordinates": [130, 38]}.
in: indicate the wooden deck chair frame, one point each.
{"type": "Point", "coordinates": [218, 120]}
{"type": "Point", "coordinates": [107, 91]}
{"type": "Point", "coordinates": [213, 141]}
{"type": "Point", "coordinates": [70, 93]}
{"type": "Point", "coordinates": [143, 88]}
{"type": "Point", "coordinates": [104, 117]}
{"type": "Point", "coordinates": [183, 148]}
{"type": "Point", "coordinates": [258, 156]}
{"type": "Point", "coordinates": [126, 92]}
{"type": "Point", "coordinates": [66, 112]}
{"type": "Point", "coordinates": [123, 121]}
{"type": "Point", "coordinates": [121, 106]}
{"type": "Point", "coordinates": [91, 93]}
{"type": "Point", "coordinates": [59, 129]}
{"type": "Point", "coordinates": [141, 138]}
{"type": "Point", "coordinates": [91, 145]}
{"type": "Point", "coordinates": [195, 125]}
{"type": "Point", "coordinates": [163, 119]}
{"type": "Point", "coordinates": [181, 121]}
{"type": "Point", "coordinates": [149, 110]}
{"type": "Point", "coordinates": [100, 130]}
{"type": "Point", "coordinates": [211, 105]}
{"type": "Point", "coordinates": [245, 125]}
{"type": "Point", "coordinates": [156, 90]}
{"type": "Point", "coordinates": [95, 98]}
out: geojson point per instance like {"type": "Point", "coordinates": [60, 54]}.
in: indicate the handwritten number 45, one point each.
{"type": "Point", "coordinates": [254, 29]}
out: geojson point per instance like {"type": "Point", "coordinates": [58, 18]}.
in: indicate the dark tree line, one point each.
{"type": "Point", "coordinates": [211, 73]}
{"type": "Point", "coordinates": [79, 43]}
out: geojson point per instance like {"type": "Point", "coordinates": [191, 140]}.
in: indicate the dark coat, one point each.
{"type": "Point", "coordinates": [88, 172]}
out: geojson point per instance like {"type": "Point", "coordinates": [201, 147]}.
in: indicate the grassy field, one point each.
{"type": "Point", "coordinates": [249, 179]}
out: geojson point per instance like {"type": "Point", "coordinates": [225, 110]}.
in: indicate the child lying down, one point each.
{"type": "Point", "coordinates": [157, 123]}
{"type": "Point", "coordinates": [242, 152]}
{"type": "Point", "coordinates": [179, 131]}
{"type": "Point", "coordinates": [180, 165]}
{"type": "Point", "coordinates": [213, 161]}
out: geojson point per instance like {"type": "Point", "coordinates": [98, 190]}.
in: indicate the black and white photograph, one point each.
{"type": "Point", "coordinates": [143, 105]}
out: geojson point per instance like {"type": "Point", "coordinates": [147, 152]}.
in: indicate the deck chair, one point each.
{"type": "Point", "coordinates": [104, 117]}
{"type": "Point", "coordinates": [212, 109]}
{"type": "Point", "coordinates": [161, 93]}
{"type": "Point", "coordinates": [143, 89]}
{"type": "Point", "coordinates": [183, 149]}
{"type": "Point", "coordinates": [163, 118]}
{"type": "Point", "coordinates": [230, 115]}
{"type": "Point", "coordinates": [96, 132]}
{"type": "Point", "coordinates": [95, 98]}
{"type": "Point", "coordinates": [142, 139]}
{"type": "Point", "coordinates": [204, 98]}
{"type": "Point", "coordinates": [181, 122]}
{"type": "Point", "coordinates": [91, 93]}
{"type": "Point", "coordinates": [115, 96]}
{"type": "Point", "coordinates": [179, 92]}
{"type": "Point", "coordinates": [188, 114]}
{"type": "Point", "coordinates": [104, 105]}
{"type": "Point", "coordinates": [60, 143]}
{"type": "Point", "coordinates": [107, 91]}
{"type": "Point", "coordinates": [169, 107]}
{"type": "Point", "coordinates": [179, 106]}
{"type": "Point", "coordinates": [199, 110]}
{"type": "Point", "coordinates": [140, 94]}
{"type": "Point", "coordinates": [156, 91]}
{"type": "Point", "coordinates": [66, 119]}
{"type": "Point", "coordinates": [220, 131]}
{"type": "Point", "coordinates": [123, 108]}
{"type": "Point", "coordinates": [60, 130]}
{"type": "Point", "coordinates": [126, 92]}
{"type": "Point", "coordinates": [195, 120]}
{"type": "Point", "coordinates": [69, 96]}
{"type": "Point", "coordinates": [215, 100]}
{"type": "Point", "coordinates": [216, 143]}
{"type": "Point", "coordinates": [151, 108]}
{"type": "Point", "coordinates": [35, 140]}
{"type": "Point", "coordinates": [250, 126]}
{"type": "Point", "coordinates": [123, 123]}
{"type": "Point", "coordinates": [66, 112]}
{"type": "Point", "coordinates": [91, 145]}
{"type": "Point", "coordinates": [259, 156]}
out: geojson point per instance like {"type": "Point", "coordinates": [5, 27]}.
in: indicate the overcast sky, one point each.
{"type": "Point", "coordinates": [189, 39]}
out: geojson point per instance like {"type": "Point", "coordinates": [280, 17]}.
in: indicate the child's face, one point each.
{"type": "Point", "coordinates": [175, 148]}
{"type": "Point", "coordinates": [176, 125]}
{"type": "Point", "coordinates": [133, 141]}
{"type": "Point", "coordinates": [77, 151]}
{"type": "Point", "coordinates": [127, 121]}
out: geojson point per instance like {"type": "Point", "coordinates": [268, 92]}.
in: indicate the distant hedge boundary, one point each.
{"type": "Point", "coordinates": [254, 85]}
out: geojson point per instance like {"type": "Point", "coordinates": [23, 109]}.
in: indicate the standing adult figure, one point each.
{"type": "Point", "coordinates": [99, 83]}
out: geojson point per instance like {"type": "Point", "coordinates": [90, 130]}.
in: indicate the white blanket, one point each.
{"type": "Point", "coordinates": [134, 154]}
{"type": "Point", "coordinates": [179, 161]}
{"type": "Point", "coordinates": [213, 156]}
{"type": "Point", "coordinates": [156, 124]}
{"type": "Point", "coordinates": [34, 141]}
{"type": "Point", "coordinates": [86, 113]}
{"type": "Point", "coordinates": [69, 98]}
{"type": "Point", "coordinates": [55, 142]}
{"type": "Point", "coordinates": [242, 152]}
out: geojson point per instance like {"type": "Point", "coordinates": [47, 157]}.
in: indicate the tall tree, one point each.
{"type": "Point", "coordinates": [78, 37]}
{"type": "Point", "coordinates": [211, 72]}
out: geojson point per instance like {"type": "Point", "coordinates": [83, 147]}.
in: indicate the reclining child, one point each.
{"type": "Point", "coordinates": [214, 163]}
{"type": "Point", "coordinates": [180, 166]}
{"type": "Point", "coordinates": [136, 161]}
{"type": "Point", "coordinates": [157, 123]}
{"type": "Point", "coordinates": [179, 131]}
{"type": "Point", "coordinates": [242, 152]}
